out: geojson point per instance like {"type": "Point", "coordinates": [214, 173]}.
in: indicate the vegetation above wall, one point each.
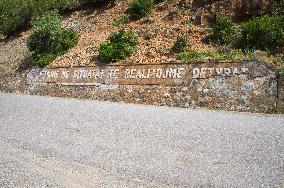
{"type": "Point", "coordinates": [49, 40]}
{"type": "Point", "coordinates": [242, 42]}
{"type": "Point", "coordinates": [165, 29]}
{"type": "Point", "coordinates": [119, 46]}
{"type": "Point", "coordinates": [229, 55]}
{"type": "Point", "coordinates": [264, 33]}
{"type": "Point", "coordinates": [154, 32]}
{"type": "Point", "coordinates": [15, 14]}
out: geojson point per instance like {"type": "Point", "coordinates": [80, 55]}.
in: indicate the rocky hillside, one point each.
{"type": "Point", "coordinates": [157, 34]}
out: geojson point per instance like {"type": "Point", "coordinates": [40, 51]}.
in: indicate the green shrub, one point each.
{"type": "Point", "coordinates": [49, 39]}
{"type": "Point", "coordinates": [180, 44]}
{"type": "Point", "coordinates": [119, 46]}
{"type": "Point", "coordinates": [193, 56]}
{"type": "Point", "coordinates": [112, 52]}
{"type": "Point", "coordinates": [264, 33]}
{"type": "Point", "coordinates": [66, 39]}
{"type": "Point", "coordinates": [158, 1]}
{"type": "Point", "coordinates": [14, 14]}
{"type": "Point", "coordinates": [42, 40]}
{"type": "Point", "coordinates": [277, 7]}
{"type": "Point", "coordinates": [102, 2]}
{"type": "Point", "coordinates": [124, 37]}
{"type": "Point", "coordinates": [224, 31]}
{"type": "Point", "coordinates": [121, 21]}
{"type": "Point", "coordinates": [233, 55]}
{"type": "Point", "coordinates": [140, 8]}
{"type": "Point", "coordinates": [43, 60]}
{"type": "Point", "coordinates": [18, 13]}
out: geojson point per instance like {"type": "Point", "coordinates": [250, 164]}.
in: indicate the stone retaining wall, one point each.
{"type": "Point", "coordinates": [244, 86]}
{"type": "Point", "coordinates": [280, 102]}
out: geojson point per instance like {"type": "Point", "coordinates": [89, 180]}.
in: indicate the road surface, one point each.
{"type": "Point", "coordinates": [55, 142]}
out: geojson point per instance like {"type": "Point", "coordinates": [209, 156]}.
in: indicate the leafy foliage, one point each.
{"type": "Point", "coordinates": [43, 60]}
{"type": "Point", "coordinates": [119, 46]}
{"type": "Point", "coordinates": [180, 44]}
{"type": "Point", "coordinates": [158, 1]}
{"type": "Point", "coordinates": [193, 56]}
{"type": "Point", "coordinates": [102, 2]}
{"type": "Point", "coordinates": [124, 37]}
{"type": "Point", "coordinates": [120, 21]}
{"type": "Point", "coordinates": [112, 52]}
{"type": "Point", "coordinates": [277, 7]}
{"type": "Point", "coordinates": [18, 13]}
{"type": "Point", "coordinates": [233, 55]}
{"type": "Point", "coordinates": [264, 33]}
{"type": "Point", "coordinates": [140, 8]}
{"type": "Point", "coordinates": [14, 14]}
{"type": "Point", "coordinates": [224, 31]}
{"type": "Point", "coordinates": [48, 39]}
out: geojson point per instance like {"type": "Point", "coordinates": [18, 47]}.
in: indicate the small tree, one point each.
{"type": "Point", "coordinates": [48, 39]}
{"type": "Point", "coordinates": [224, 31]}
{"type": "Point", "coordinates": [140, 8]}
{"type": "Point", "coordinates": [119, 46]}
{"type": "Point", "coordinates": [264, 33]}
{"type": "Point", "coordinates": [180, 44]}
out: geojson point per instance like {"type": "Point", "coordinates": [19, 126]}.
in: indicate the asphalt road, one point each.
{"type": "Point", "coordinates": [54, 142]}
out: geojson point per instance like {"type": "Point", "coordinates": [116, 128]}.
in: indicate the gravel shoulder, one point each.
{"type": "Point", "coordinates": [55, 142]}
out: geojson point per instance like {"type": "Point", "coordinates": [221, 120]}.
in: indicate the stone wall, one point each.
{"type": "Point", "coordinates": [280, 103]}
{"type": "Point", "coordinates": [244, 86]}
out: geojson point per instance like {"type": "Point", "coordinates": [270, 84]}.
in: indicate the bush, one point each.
{"type": "Point", "coordinates": [232, 55]}
{"type": "Point", "coordinates": [102, 2]}
{"type": "Point", "coordinates": [224, 31]}
{"type": "Point", "coordinates": [193, 56]}
{"type": "Point", "coordinates": [42, 40]}
{"type": "Point", "coordinates": [66, 39]}
{"type": "Point", "coordinates": [119, 46]}
{"type": "Point", "coordinates": [43, 60]}
{"type": "Point", "coordinates": [124, 37]}
{"type": "Point", "coordinates": [112, 52]}
{"type": "Point", "coordinates": [18, 13]}
{"type": "Point", "coordinates": [49, 39]}
{"type": "Point", "coordinates": [140, 8]}
{"type": "Point", "coordinates": [14, 14]}
{"type": "Point", "coordinates": [158, 1]}
{"type": "Point", "coordinates": [180, 44]}
{"type": "Point", "coordinates": [120, 21]}
{"type": "Point", "coordinates": [264, 33]}
{"type": "Point", "coordinates": [277, 7]}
